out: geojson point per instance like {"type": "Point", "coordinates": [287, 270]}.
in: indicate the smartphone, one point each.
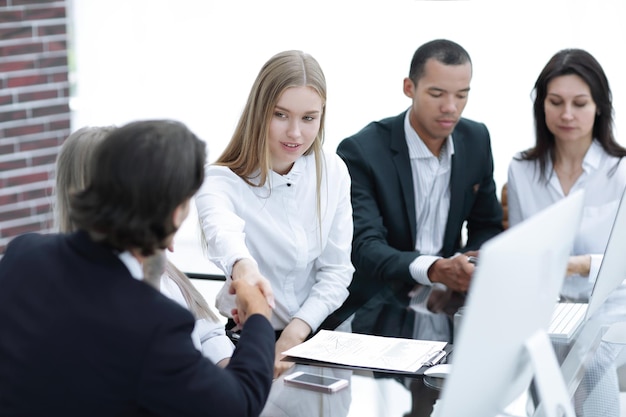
{"type": "Point", "coordinates": [316, 382]}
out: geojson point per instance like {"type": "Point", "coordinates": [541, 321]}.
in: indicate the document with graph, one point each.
{"type": "Point", "coordinates": [378, 353]}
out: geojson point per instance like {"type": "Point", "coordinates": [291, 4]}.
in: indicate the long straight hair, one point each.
{"type": "Point", "coordinates": [247, 154]}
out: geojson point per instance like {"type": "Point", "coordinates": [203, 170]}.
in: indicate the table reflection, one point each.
{"type": "Point", "coordinates": [289, 401]}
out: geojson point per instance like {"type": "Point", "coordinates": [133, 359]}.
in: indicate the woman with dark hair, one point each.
{"type": "Point", "coordinates": [576, 149]}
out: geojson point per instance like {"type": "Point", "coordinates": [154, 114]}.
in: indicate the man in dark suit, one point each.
{"type": "Point", "coordinates": [82, 335]}
{"type": "Point", "coordinates": [416, 179]}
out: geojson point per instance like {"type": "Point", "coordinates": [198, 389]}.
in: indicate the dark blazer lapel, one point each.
{"type": "Point", "coordinates": [403, 167]}
{"type": "Point", "coordinates": [458, 168]}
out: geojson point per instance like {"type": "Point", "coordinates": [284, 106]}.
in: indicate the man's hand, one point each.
{"type": "Point", "coordinates": [249, 300]}
{"type": "Point", "coordinates": [579, 265]}
{"type": "Point", "coordinates": [248, 270]}
{"type": "Point", "coordinates": [445, 301]}
{"type": "Point", "coordinates": [455, 273]}
{"type": "Point", "coordinates": [295, 333]}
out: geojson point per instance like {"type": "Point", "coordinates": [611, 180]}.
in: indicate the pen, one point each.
{"type": "Point", "coordinates": [435, 358]}
{"type": "Point", "coordinates": [472, 259]}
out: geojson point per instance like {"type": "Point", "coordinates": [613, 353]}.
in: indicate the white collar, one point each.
{"type": "Point", "coordinates": [132, 263]}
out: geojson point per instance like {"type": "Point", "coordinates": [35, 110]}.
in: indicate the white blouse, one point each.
{"type": "Point", "coordinates": [603, 179]}
{"type": "Point", "coordinates": [277, 225]}
{"type": "Point", "coordinates": [208, 337]}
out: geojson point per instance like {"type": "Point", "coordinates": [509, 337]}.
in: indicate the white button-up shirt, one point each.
{"type": "Point", "coordinates": [603, 179]}
{"type": "Point", "coordinates": [277, 225]}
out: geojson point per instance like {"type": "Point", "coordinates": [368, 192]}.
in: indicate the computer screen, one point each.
{"type": "Point", "coordinates": [512, 295]}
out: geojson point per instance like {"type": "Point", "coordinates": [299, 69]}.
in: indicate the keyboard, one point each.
{"type": "Point", "coordinates": [566, 319]}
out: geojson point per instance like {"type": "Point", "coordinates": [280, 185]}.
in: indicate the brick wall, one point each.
{"type": "Point", "coordinates": [34, 111]}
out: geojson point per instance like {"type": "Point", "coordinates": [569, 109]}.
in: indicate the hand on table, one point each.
{"type": "Point", "coordinates": [295, 333]}
{"type": "Point", "coordinates": [455, 273]}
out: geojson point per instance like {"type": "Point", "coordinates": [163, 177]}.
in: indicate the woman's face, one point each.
{"type": "Point", "coordinates": [294, 126]}
{"type": "Point", "coordinates": [570, 109]}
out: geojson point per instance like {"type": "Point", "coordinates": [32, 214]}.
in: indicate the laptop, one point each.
{"type": "Point", "coordinates": [568, 317]}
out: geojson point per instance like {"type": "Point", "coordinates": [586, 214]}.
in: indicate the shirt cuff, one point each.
{"type": "Point", "coordinates": [217, 348]}
{"type": "Point", "coordinates": [419, 268]}
{"type": "Point", "coordinates": [594, 268]}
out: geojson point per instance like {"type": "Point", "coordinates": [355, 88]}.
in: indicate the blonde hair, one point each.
{"type": "Point", "coordinates": [73, 174]}
{"type": "Point", "coordinates": [248, 149]}
{"type": "Point", "coordinates": [248, 154]}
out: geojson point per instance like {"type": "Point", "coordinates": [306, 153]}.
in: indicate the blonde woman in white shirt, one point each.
{"type": "Point", "coordinates": [72, 174]}
{"type": "Point", "coordinates": [575, 149]}
{"type": "Point", "coordinates": [275, 209]}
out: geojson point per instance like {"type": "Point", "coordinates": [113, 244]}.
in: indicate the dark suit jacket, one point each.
{"type": "Point", "coordinates": [79, 336]}
{"type": "Point", "coordinates": [384, 209]}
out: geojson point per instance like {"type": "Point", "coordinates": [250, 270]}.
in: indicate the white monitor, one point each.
{"type": "Point", "coordinates": [514, 289]}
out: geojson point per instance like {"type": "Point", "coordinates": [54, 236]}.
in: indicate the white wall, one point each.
{"type": "Point", "coordinates": [195, 60]}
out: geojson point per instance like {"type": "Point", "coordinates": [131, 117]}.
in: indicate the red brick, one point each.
{"type": "Point", "coordinates": [12, 115]}
{"type": "Point", "coordinates": [6, 149]}
{"type": "Point", "coordinates": [43, 208]}
{"type": "Point", "coordinates": [15, 214]}
{"type": "Point", "coordinates": [59, 61]}
{"type": "Point", "coordinates": [14, 164]}
{"type": "Point", "coordinates": [26, 48]}
{"type": "Point", "coordinates": [18, 230]}
{"type": "Point", "coordinates": [46, 111]}
{"type": "Point", "coordinates": [38, 193]}
{"type": "Point", "coordinates": [16, 65]}
{"type": "Point", "coordinates": [25, 80]}
{"type": "Point", "coordinates": [45, 159]}
{"type": "Point", "coordinates": [24, 130]}
{"type": "Point", "coordinates": [8, 199]}
{"type": "Point", "coordinates": [56, 46]}
{"type": "Point", "coordinates": [26, 179]}
{"type": "Point", "coordinates": [3, 3]}
{"type": "Point", "coordinates": [10, 16]}
{"type": "Point", "coordinates": [59, 77]}
{"type": "Point", "coordinates": [59, 124]}
{"type": "Point", "coordinates": [38, 95]}
{"type": "Point", "coordinates": [29, 145]}
{"type": "Point", "coordinates": [45, 13]}
{"type": "Point", "coordinates": [7, 99]}
{"type": "Point", "coordinates": [24, 2]}
{"type": "Point", "coordinates": [16, 33]}
{"type": "Point", "coordinates": [52, 30]}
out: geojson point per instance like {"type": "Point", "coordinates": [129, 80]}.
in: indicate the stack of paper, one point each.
{"type": "Point", "coordinates": [353, 350]}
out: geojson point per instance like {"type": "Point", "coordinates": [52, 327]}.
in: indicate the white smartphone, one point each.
{"type": "Point", "coordinates": [316, 382]}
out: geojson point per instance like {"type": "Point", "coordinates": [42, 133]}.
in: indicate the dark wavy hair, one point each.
{"type": "Point", "coordinates": [442, 50]}
{"type": "Point", "coordinates": [140, 174]}
{"type": "Point", "coordinates": [583, 64]}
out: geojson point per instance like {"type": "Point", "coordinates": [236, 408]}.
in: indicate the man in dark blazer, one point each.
{"type": "Point", "coordinates": [82, 335]}
{"type": "Point", "coordinates": [416, 179]}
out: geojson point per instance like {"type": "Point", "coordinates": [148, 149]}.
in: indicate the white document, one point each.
{"type": "Point", "coordinates": [367, 351]}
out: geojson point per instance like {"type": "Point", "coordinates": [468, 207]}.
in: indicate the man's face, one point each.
{"type": "Point", "coordinates": [438, 99]}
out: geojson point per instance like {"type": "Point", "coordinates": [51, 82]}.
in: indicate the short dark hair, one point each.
{"type": "Point", "coordinates": [581, 63]}
{"type": "Point", "coordinates": [140, 173]}
{"type": "Point", "coordinates": [443, 50]}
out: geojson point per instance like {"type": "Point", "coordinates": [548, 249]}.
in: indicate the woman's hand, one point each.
{"type": "Point", "coordinates": [248, 270]}
{"type": "Point", "coordinates": [295, 333]}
